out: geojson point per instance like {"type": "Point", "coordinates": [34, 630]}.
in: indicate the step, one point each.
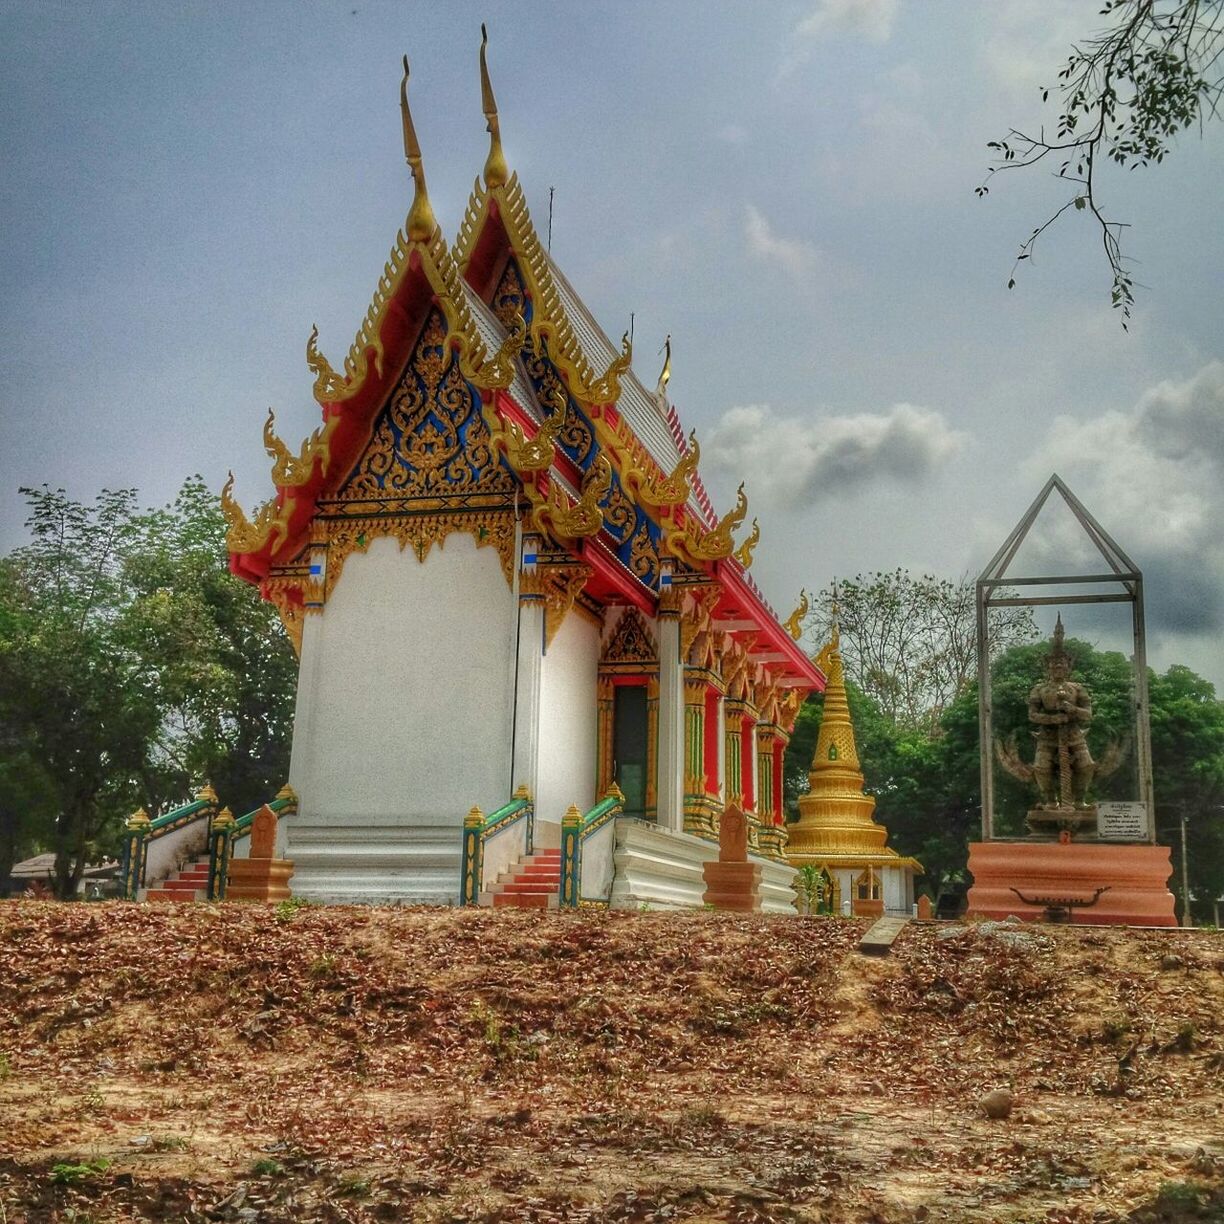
{"type": "Point", "coordinates": [524, 887]}
{"type": "Point", "coordinates": [551, 870]}
{"type": "Point", "coordinates": [184, 885]}
{"type": "Point", "coordinates": [525, 900]}
{"type": "Point", "coordinates": [175, 895]}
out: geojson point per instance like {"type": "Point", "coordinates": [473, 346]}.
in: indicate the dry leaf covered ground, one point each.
{"type": "Point", "coordinates": [329, 1064]}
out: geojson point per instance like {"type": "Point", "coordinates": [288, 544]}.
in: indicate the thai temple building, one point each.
{"type": "Point", "coordinates": [836, 832]}
{"type": "Point", "coordinates": [530, 651]}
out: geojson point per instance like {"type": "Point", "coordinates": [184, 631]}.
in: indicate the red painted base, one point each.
{"type": "Point", "coordinates": [1136, 876]}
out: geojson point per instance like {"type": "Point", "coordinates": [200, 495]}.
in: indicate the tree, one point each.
{"type": "Point", "coordinates": [1125, 93]}
{"type": "Point", "coordinates": [911, 642]}
{"type": "Point", "coordinates": [133, 667]}
{"type": "Point", "coordinates": [72, 698]}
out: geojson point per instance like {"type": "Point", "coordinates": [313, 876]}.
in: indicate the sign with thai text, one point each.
{"type": "Point", "coordinates": [1119, 820]}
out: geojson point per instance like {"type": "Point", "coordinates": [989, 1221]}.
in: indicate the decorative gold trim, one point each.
{"type": "Point", "coordinates": [584, 518]}
{"type": "Point", "coordinates": [701, 546]}
{"type": "Point", "coordinates": [288, 470]}
{"type": "Point", "coordinates": [606, 388]}
{"type": "Point", "coordinates": [489, 528]}
{"type": "Point", "coordinates": [794, 622]}
{"type": "Point", "coordinates": [279, 592]}
{"type": "Point", "coordinates": [743, 554]}
{"type": "Point", "coordinates": [248, 536]}
{"type": "Point", "coordinates": [562, 585]}
{"type": "Point", "coordinates": [667, 493]}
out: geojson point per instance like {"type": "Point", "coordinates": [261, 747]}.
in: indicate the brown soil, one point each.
{"type": "Point", "coordinates": [235, 1063]}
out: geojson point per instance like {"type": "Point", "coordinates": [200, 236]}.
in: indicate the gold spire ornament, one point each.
{"type": "Point", "coordinates": [421, 220]}
{"type": "Point", "coordinates": [665, 372]}
{"type": "Point", "coordinates": [717, 543]}
{"type": "Point", "coordinates": [496, 171]}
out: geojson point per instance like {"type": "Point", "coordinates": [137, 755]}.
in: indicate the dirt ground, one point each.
{"type": "Point", "coordinates": [252, 1064]}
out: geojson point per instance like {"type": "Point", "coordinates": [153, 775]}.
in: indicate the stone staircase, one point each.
{"type": "Point", "coordinates": [533, 882]}
{"type": "Point", "coordinates": [189, 884]}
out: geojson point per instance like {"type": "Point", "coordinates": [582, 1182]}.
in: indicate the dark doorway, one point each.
{"type": "Point", "coordinates": [629, 746]}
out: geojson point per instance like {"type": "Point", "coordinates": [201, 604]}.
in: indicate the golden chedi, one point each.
{"type": "Point", "coordinates": [835, 832]}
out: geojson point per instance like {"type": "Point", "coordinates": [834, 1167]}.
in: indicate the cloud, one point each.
{"type": "Point", "coordinates": [802, 462]}
{"type": "Point", "coordinates": [796, 257]}
{"type": "Point", "coordinates": [1154, 478]}
{"type": "Point", "coordinates": [869, 19]}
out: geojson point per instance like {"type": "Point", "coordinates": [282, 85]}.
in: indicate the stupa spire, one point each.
{"type": "Point", "coordinates": [421, 220]}
{"type": "Point", "coordinates": [496, 171]}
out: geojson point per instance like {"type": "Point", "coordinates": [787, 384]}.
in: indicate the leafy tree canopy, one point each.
{"type": "Point", "coordinates": [133, 667]}
{"type": "Point", "coordinates": [1125, 93]}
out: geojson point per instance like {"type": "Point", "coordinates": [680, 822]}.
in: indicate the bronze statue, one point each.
{"type": "Point", "coordinates": [1059, 710]}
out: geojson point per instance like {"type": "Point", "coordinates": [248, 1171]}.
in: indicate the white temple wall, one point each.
{"type": "Point", "coordinates": [403, 721]}
{"type": "Point", "coordinates": [569, 714]}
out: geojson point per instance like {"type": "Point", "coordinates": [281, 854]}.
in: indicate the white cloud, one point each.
{"type": "Point", "coordinates": [869, 19]}
{"type": "Point", "coordinates": [796, 256]}
{"type": "Point", "coordinates": [802, 462]}
{"type": "Point", "coordinates": [1154, 477]}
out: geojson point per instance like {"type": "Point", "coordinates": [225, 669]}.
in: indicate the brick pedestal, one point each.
{"type": "Point", "coordinates": [1136, 876]}
{"type": "Point", "coordinates": [258, 880]}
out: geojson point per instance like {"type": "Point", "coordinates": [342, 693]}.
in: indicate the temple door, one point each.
{"type": "Point", "coordinates": [629, 746]}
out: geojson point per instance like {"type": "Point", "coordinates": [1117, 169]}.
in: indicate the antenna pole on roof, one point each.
{"type": "Point", "coordinates": [550, 203]}
{"type": "Point", "coordinates": [631, 329]}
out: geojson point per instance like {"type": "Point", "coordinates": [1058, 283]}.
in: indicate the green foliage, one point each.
{"type": "Point", "coordinates": [133, 667]}
{"type": "Point", "coordinates": [73, 1174]}
{"type": "Point", "coordinates": [286, 910]}
{"type": "Point", "coordinates": [267, 1167]}
{"type": "Point", "coordinates": [928, 786]}
{"type": "Point", "coordinates": [1126, 93]}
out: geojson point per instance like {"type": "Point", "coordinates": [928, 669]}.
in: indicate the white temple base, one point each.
{"type": "Point", "coordinates": [777, 886]}
{"type": "Point", "coordinates": [376, 865]}
{"type": "Point", "coordinates": [658, 868]}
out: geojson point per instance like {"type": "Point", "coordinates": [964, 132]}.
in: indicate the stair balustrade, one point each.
{"type": "Point", "coordinates": [586, 877]}
{"type": "Point", "coordinates": [172, 832]}
{"type": "Point", "coordinates": [224, 833]}
{"type": "Point", "coordinates": [513, 824]}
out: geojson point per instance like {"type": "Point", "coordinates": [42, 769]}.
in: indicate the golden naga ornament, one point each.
{"type": "Point", "coordinates": [537, 454]}
{"type": "Point", "coordinates": [716, 544]}
{"type": "Point", "coordinates": [329, 387]}
{"type": "Point", "coordinates": [585, 518]}
{"type": "Point", "coordinates": [606, 389]}
{"type": "Point", "coordinates": [248, 536]}
{"type": "Point", "coordinates": [675, 489]}
{"type": "Point", "coordinates": [288, 470]}
{"type": "Point", "coordinates": [496, 373]}
{"type": "Point", "coordinates": [794, 622]}
{"type": "Point", "coordinates": [743, 554]}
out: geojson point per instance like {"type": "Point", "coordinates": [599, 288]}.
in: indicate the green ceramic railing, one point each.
{"type": "Point", "coordinates": [577, 828]}
{"type": "Point", "coordinates": [479, 828]}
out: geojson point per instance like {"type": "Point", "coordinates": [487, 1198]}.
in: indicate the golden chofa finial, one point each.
{"type": "Point", "coordinates": [496, 172]}
{"type": "Point", "coordinates": [665, 372]}
{"type": "Point", "coordinates": [421, 220]}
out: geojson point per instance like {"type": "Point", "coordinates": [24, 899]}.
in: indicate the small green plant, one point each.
{"type": "Point", "coordinates": [169, 1143]}
{"type": "Point", "coordinates": [353, 1186]}
{"type": "Point", "coordinates": [265, 1166]}
{"type": "Point", "coordinates": [1179, 1196]}
{"type": "Point", "coordinates": [6, 1066]}
{"type": "Point", "coordinates": [72, 1174]}
{"type": "Point", "coordinates": [285, 910]}
{"type": "Point", "coordinates": [323, 967]}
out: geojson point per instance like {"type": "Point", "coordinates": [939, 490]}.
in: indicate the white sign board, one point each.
{"type": "Point", "coordinates": [1122, 821]}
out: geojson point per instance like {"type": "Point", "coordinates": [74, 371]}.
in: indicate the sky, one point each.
{"type": "Point", "coordinates": [785, 189]}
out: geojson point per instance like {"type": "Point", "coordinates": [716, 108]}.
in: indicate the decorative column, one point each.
{"type": "Point", "coordinates": [526, 754]}
{"type": "Point", "coordinates": [135, 845]}
{"type": "Point", "coordinates": [472, 872]}
{"type": "Point", "coordinates": [772, 833]}
{"type": "Point", "coordinates": [670, 738]}
{"type": "Point", "coordinates": [653, 747]}
{"type": "Point", "coordinates": [606, 713]}
{"type": "Point", "coordinates": [733, 780]}
{"type": "Point", "coordinates": [694, 752]}
{"type": "Point", "coordinates": [220, 834]}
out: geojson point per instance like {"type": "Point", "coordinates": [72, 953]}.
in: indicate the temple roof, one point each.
{"type": "Point", "coordinates": [537, 367]}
